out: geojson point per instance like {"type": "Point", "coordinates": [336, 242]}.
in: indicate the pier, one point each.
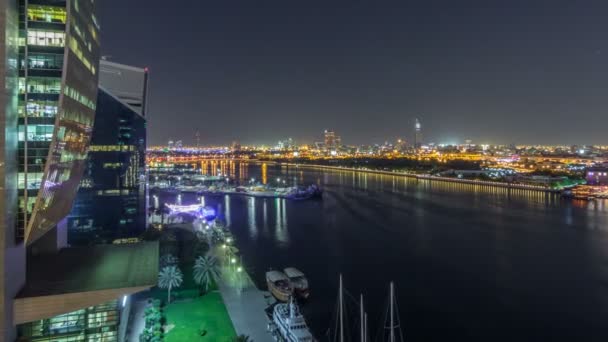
{"type": "Point", "coordinates": [246, 304]}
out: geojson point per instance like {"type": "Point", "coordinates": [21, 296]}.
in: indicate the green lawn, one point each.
{"type": "Point", "coordinates": [207, 312]}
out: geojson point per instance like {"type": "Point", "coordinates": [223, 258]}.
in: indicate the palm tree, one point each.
{"type": "Point", "coordinates": [206, 270]}
{"type": "Point", "coordinates": [168, 278]}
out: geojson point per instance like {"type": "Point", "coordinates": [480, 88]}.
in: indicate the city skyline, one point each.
{"type": "Point", "coordinates": [523, 73]}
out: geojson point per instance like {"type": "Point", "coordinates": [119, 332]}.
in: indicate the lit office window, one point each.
{"type": "Point", "coordinates": [41, 109]}
{"type": "Point", "coordinates": [47, 61]}
{"type": "Point", "coordinates": [36, 132]}
{"type": "Point", "coordinates": [46, 38]}
{"type": "Point", "coordinates": [44, 85]}
{"type": "Point", "coordinates": [34, 179]}
{"type": "Point", "coordinates": [49, 14]}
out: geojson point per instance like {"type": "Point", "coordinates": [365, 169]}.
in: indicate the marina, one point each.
{"type": "Point", "coordinates": [411, 227]}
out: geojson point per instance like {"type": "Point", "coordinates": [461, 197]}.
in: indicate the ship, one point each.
{"type": "Point", "coordinates": [304, 193]}
{"type": "Point", "coordinates": [279, 285]}
{"type": "Point", "coordinates": [298, 281]}
{"type": "Point", "coordinates": [289, 323]}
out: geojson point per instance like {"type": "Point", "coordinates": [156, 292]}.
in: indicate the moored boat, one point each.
{"type": "Point", "coordinates": [290, 323]}
{"type": "Point", "coordinates": [279, 285]}
{"type": "Point", "coordinates": [298, 281]}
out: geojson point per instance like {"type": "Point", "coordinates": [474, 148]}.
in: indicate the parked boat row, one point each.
{"type": "Point", "coordinates": [292, 193]}
{"type": "Point", "coordinates": [285, 285]}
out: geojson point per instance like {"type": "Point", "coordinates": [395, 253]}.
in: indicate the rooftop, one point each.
{"type": "Point", "coordinates": [92, 268]}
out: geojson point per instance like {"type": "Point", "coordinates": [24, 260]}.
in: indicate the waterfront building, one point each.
{"type": "Point", "coordinates": [597, 176]}
{"type": "Point", "coordinates": [417, 134]}
{"type": "Point", "coordinates": [111, 201]}
{"type": "Point", "coordinates": [49, 68]}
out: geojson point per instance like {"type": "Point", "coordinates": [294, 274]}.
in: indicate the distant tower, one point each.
{"type": "Point", "coordinates": [198, 138]}
{"type": "Point", "coordinates": [330, 140]}
{"type": "Point", "coordinates": [418, 134]}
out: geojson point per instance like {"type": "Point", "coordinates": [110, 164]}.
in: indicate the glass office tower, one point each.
{"type": "Point", "coordinates": [59, 62]}
{"type": "Point", "coordinates": [111, 202]}
{"type": "Point", "coordinates": [12, 254]}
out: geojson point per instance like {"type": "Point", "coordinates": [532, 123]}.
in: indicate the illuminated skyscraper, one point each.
{"type": "Point", "coordinates": [49, 61]}
{"type": "Point", "coordinates": [111, 201]}
{"type": "Point", "coordinates": [418, 134]}
{"type": "Point", "coordinates": [12, 253]}
{"type": "Point", "coordinates": [332, 141]}
{"type": "Point", "coordinates": [59, 68]}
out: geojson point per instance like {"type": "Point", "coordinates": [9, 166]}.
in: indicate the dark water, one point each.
{"type": "Point", "coordinates": [470, 263]}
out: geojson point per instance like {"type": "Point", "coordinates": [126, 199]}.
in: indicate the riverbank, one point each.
{"type": "Point", "coordinates": [245, 303]}
{"type": "Point", "coordinates": [426, 177]}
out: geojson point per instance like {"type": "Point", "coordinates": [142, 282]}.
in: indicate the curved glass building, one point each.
{"type": "Point", "coordinates": [59, 62]}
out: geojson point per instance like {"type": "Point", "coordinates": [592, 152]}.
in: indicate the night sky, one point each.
{"type": "Point", "coordinates": [260, 71]}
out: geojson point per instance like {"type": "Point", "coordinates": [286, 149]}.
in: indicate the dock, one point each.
{"type": "Point", "coordinates": [246, 304]}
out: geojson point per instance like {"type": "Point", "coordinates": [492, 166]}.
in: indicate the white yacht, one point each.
{"type": "Point", "coordinates": [290, 323]}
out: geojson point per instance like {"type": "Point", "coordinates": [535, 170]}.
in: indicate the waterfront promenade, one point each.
{"type": "Point", "coordinates": [427, 177]}
{"type": "Point", "coordinates": [245, 303]}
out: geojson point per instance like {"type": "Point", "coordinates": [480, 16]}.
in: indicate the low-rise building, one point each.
{"type": "Point", "coordinates": [597, 176]}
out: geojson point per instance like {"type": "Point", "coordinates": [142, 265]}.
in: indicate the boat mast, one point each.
{"type": "Point", "coordinates": [341, 313]}
{"type": "Point", "coordinates": [362, 321]}
{"type": "Point", "coordinates": [392, 298]}
{"type": "Point", "coordinates": [366, 334]}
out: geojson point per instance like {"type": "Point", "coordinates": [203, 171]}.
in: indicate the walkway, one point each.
{"type": "Point", "coordinates": [137, 321]}
{"type": "Point", "coordinates": [244, 302]}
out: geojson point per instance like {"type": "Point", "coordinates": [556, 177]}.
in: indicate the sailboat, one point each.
{"type": "Point", "coordinates": [392, 323]}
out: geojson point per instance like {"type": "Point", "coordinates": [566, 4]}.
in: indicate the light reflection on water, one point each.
{"type": "Point", "coordinates": [456, 251]}
{"type": "Point", "coordinates": [251, 218]}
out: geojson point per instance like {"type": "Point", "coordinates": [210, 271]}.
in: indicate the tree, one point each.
{"type": "Point", "coordinates": [206, 270]}
{"type": "Point", "coordinates": [168, 278]}
{"type": "Point", "coordinates": [242, 338]}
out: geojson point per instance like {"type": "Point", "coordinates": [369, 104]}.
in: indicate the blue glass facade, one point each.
{"type": "Point", "coordinates": [111, 201]}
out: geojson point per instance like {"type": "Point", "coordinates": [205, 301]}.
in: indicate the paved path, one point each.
{"type": "Point", "coordinates": [244, 302]}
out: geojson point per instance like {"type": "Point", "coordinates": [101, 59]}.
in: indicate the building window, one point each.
{"type": "Point", "coordinates": [46, 38]}
{"type": "Point", "coordinates": [34, 179]}
{"type": "Point", "coordinates": [41, 85]}
{"type": "Point", "coordinates": [36, 132]}
{"type": "Point", "coordinates": [49, 14]}
{"type": "Point", "coordinates": [39, 109]}
{"type": "Point", "coordinates": [49, 61]}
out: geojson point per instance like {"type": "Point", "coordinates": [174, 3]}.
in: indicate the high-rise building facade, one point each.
{"type": "Point", "coordinates": [12, 253]}
{"type": "Point", "coordinates": [417, 134]}
{"type": "Point", "coordinates": [59, 68]}
{"type": "Point", "coordinates": [111, 201]}
{"type": "Point", "coordinates": [128, 83]}
{"type": "Point", "coordinates": [332, 141]}
{"type": "Point", "coordinates": [49, 67]}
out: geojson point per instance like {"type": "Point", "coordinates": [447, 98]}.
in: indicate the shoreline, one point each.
{"type": "Point", "coordinates": [244, 302]}
{"type": "Point", "coordinates": [426, 177]}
